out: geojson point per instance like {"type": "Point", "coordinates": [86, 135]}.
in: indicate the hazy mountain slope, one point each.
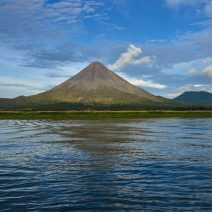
{"type": "Point", "coordinates": [196, 97]}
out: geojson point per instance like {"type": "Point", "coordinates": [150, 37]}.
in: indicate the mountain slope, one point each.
{"type": "Point", "coordinates": [196, 97]}
{"type": "Point", "coordinates": [96, 84]}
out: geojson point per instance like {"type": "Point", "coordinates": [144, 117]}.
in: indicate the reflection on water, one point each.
{"type": "Point", "coordinates": [153, 164]}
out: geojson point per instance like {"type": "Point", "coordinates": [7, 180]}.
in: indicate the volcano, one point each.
{"type": "Point", "coordinates": [95, 84]}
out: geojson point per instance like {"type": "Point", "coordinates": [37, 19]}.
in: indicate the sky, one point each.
{"type": "Point", "coordinates": [163, 46]}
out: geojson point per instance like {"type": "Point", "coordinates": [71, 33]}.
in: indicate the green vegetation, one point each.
{"type": "Point", "coordinates": [21, 104]}
{"type": "Point", "coordinates": [102, 114]}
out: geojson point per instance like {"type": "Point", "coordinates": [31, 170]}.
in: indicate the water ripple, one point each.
{"type": "Point", "coordinates": [111, 165]}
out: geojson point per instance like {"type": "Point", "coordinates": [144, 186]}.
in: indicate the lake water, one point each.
{"type": "Point", "coordinates": [146, 165]}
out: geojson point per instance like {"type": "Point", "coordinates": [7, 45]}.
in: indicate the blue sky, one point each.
{"type": "Point", "coordinates": [164, 46]}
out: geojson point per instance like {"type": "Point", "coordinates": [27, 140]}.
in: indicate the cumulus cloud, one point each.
{"type": "Point", "coordinates": [205, 72]}
{"type": "Point", "coordinates": [193, 72]}
{"type": "Point", "coordinates": [208, 72]}
{"type": "Point", "coordinates": [131, 57]}
{"type": "Point", "coordinates": [140, 82]}
{"type": "Point", "coordinates": [198, 86]}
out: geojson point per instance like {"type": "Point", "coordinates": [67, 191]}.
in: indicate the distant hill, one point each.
{"type": "Point", "coordinates": [202, 98]}
{"type": "Point", "coordinates": [95, 87]}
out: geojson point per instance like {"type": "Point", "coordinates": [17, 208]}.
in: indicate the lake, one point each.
{"type": "Point", "coordinates": [146, 165]}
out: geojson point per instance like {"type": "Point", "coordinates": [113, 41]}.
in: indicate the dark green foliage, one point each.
{"type": "Point", "coordinates": [103, 114]}
{"type": "Point", "coordinates": [25, 105]}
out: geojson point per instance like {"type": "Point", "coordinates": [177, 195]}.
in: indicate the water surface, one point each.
{"type": "Point", "coordinates": [152, 165]}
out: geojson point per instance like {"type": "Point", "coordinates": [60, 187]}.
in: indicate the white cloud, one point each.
{"type": "Point", "coordinates": [198, 86]}
{"type": "Point", "coordinates": [46, 13]}
{"type": "Point", "coordinates": [205, 72]}
{"type": "Point", "coordinates": [193, 72]}
{"type": "Point", "coordinates": [207, 60]}
{"type": "Point", "coordinates": [208, 9]}
{"type": "Point", "coordinates": [140, 82]}
{"type": "Point", "coordinates": [204, 6]}
{"type": "Point", "coordinates": [172, 95]}
{"type": "Point", "coordinates": [14, 86]}
{"type": "Point", "coordinates": [129, 57]}
{"type": "Point", "coordinates": [176, 3]}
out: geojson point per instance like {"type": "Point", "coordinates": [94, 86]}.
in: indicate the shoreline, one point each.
{"type": "Point", "coordinates": [66, 115]}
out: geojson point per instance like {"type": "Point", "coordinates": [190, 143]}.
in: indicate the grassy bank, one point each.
{"type": "Point", "coordinates": [103, 114]}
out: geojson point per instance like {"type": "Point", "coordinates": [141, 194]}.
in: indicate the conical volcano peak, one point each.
{"type": "Point", "coordinates": [95, 72]}
{"type": "Point", "coordinates": [96, 63]}
{"type": "Point", "coordinates": [96, 83]}
{"type": "Point", "coordinates": [93, 76]}
{"type": "Point", "coordinates": [96, 66]}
